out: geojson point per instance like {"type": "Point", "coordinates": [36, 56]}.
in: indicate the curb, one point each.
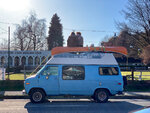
{"type": "Point", "coordinates": [112, 97]}
{"type": "Point", "coordinates": [14, 97]}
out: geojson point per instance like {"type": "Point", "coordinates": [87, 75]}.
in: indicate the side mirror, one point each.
{"type": "Point", "coordinates": [48, 73]}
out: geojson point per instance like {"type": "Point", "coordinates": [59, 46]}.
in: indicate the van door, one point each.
{"type": "Point", "coordinates": [48, 79]}
{"type": "Point", "coordinates": [110, 77]}
{"type": "Point", "coordinates": [73, 80]}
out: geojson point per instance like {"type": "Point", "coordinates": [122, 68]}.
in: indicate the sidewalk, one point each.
{"type": "Point", "coordinates": [127, 95]}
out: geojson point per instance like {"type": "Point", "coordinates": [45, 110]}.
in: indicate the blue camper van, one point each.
{"type": "Point", "coordinates": [94, 74]}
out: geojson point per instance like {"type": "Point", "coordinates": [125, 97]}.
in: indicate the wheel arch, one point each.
{"type": "Point", "coordinates": [102, 89]}
{"type": "Point", "coordinates": [32, 89]}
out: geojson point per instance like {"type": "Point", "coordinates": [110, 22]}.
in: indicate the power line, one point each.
{"type": "Point", "coordinates": [3, 33]}
{"type": "Point", "coordinates": [8, 23]}
{"type": "Point", "coordinates": [86, 30]}
{"type": "Point", "coordinates": [70, 29]}
{"type": "Point", "coordinates": [3, 29]}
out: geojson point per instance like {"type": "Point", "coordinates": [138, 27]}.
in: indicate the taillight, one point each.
{"type": "Point", "coordinates": [119, 83]}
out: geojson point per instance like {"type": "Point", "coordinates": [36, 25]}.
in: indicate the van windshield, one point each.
{"type": "Point", "coordinates": [40, 70]}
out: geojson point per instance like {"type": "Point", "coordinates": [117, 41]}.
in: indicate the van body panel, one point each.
{"type": "Point", "coordinates": [33, 82]}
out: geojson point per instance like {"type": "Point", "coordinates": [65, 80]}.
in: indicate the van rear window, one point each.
{"type": "Point", "coordinates": [73, 73]}
{"type": "Point", "coordinates": [108, 71]}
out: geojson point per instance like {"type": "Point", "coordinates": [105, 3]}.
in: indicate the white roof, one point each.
{"type": "Point", "coordinates": [85, 58]}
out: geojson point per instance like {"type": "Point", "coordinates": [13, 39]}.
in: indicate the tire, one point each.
{"type": "Point", "coordinates": [37, 96]}
{"type": "Point", "coordinates": [101, 96]}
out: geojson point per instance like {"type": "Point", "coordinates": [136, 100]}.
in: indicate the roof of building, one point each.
{"type": "Point", "coordinates": [84, 58]}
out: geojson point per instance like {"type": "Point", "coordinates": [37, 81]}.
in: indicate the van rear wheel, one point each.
{"type": "Point", "coordinates": [37, 96]}
{"type": "Point", "coordinates": [101, 96]}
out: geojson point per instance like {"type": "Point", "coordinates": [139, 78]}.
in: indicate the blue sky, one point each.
{"type": "Point", "coordinates": [74, 14]}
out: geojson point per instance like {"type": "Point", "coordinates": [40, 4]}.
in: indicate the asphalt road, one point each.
{"type": "Point", "coordinates": [72, 106]}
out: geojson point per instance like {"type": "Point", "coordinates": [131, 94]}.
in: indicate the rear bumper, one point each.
{"type": "Point", "coordinates": [120, 92]}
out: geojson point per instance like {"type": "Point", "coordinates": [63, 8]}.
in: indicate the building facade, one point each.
{"type": "Point", "coordinates": [23, 58]}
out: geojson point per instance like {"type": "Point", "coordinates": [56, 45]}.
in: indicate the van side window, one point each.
{"type": "Point", "coordinates": [50, 70]}
{"type": "Point", "coordinates": [73, 73]}
{"type": "Point", "coordinates": [108, 71]}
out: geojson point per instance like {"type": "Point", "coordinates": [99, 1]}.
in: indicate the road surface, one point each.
{"type": "Point", "coordinates": [72, 106]}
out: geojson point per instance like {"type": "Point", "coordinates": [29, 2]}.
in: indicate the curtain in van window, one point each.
{"type": "Point", "coordinates": [108, 71]}
{"type": "Point", "coordinates": [73, 73]}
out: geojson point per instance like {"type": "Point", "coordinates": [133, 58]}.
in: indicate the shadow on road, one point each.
{"type": "Point", "coordinates": [81, 106]}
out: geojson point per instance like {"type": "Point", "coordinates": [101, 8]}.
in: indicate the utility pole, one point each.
{"type": "Point", "coordinates": [8, 50]}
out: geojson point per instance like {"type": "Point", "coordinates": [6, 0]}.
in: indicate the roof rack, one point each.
{"type": "Point", "coordinates": [109, 49]}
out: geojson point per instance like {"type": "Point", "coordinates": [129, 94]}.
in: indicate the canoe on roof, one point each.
{"type": "Point", "coordinates": [117, 49]}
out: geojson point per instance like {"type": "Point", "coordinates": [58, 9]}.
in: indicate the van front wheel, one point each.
{"type": "Point", "coordinates": [101, 96]}
{"type": "Point", "coordinates": [37, 96]}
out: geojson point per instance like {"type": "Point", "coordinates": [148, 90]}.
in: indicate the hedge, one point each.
{"type": "Point", "coordinates": [137, 86]}
{"type": "Point", "coordinates": [18, 85]}
{"type": "Point", "coordinates": [11, 85]}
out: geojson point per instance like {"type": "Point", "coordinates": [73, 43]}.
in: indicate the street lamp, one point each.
{"type": "Point", "coordinates": [8, 50]}
{"type": "Point", "coordinates": [114, 39]}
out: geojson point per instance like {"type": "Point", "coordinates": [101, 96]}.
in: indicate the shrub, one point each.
{"type": "Point", "coordinates": [11, 85]}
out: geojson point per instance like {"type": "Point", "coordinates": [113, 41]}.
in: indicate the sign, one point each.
{"type": "Point", "coordinates": [21, 52]}
{"type": "Point", "coordinates": [2, 73]}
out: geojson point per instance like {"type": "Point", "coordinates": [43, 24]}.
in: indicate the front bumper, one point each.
{"type": "Point", "coordinates": [24, 92]}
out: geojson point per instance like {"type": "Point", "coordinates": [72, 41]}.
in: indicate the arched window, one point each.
{"type": "Point", "coordinates": [23, 61]}
{"type": "Point", "coordinates": [49, 57]}
{"type": "Point", "coordinates": [30, 61]}
{"type": "Point", "coordinates": [17, 61]}
{"type": "Point", "coordinates": [43, 60]}
{"type": "Point", "coordinates": [37, 60]}
{"type": "Point", "coordinates": [3, 60]}
{"type": "Point", "coordinates": [10, 61]}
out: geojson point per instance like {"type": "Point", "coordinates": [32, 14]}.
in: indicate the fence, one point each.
{"type": "Point", "coordinates": [2, 73]}
{"type": "Point", "coordinates": [136, 72]}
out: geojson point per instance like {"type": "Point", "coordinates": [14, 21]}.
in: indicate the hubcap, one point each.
{"type": "Point", "coordinates": [37, 96]}
{"type": "Point", "coordinates": [102, 95]}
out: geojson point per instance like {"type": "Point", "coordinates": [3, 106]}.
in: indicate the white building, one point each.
{"type": "Point", "coordinates": [21, 58]}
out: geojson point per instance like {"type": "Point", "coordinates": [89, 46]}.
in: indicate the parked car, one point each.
{"type": "Point", "coordinates": [94, 74]}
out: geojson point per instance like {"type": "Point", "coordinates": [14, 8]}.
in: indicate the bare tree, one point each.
{"type": "Point", "coordinates": [146, 55]}
{"type": "Point", "coordinates": [137, 14]}
{"type": "Point", "coordinates": [3, 44]}
{"type": "Point", "coordinates": [31, 34]}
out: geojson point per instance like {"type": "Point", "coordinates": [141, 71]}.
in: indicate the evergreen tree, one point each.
{"type": "Point", "coordinates": [55, 37]}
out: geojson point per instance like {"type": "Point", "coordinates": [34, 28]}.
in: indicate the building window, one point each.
{"type": "Point", "coordinates": [23, 61]}
{"type": "Point", "coordinates": [50, 70]}
{"type": "Point", "coordinates": [73, 73]}
{"type": "Point", "coordinates": [3, 61]}
{"type": "Point", "coordinates": [17, 61]}
{"type": "Point", "coordinates": [10, 61]}
{"type": "Point", "coordinates": [43, 60]}
{"type": "Point", "coordinates": [37, 60]}
{"type": "Point", "coordinates": [30, 61]}
{"type": "Point", "coordinates": [108, 71]}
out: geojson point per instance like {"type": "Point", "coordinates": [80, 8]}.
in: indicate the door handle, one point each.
{"type": "Point", "coordinates": [100, 83]}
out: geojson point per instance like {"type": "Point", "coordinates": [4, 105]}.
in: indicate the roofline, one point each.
{"type": "Point", "coordinates": [87, 64]}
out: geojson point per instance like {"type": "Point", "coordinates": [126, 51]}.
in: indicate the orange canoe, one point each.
{"type": "Point", "coordinates": [117, 49]}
